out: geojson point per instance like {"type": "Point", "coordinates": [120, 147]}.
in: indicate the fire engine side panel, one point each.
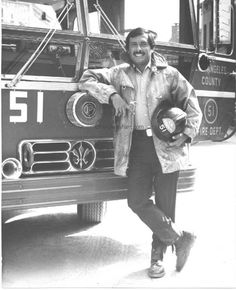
{"type": "Point", "coordinates": [41, 114]}
{"type": "Point", "coordinates": [35, 114]}
{"type": "Point", "coordinates": [215, 89]}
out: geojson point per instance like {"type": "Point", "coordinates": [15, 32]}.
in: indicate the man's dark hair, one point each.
{"type": "Point", "coordinates": [140, 31]}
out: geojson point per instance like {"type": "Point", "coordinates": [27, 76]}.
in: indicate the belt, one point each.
{"type": "Point", "coordinates": [142, 133]}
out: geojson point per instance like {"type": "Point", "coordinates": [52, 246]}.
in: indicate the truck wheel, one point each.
{"type": "Point", "coordinates": [186, 182]}
{"type": "Point", "coordinates": [92, 212]}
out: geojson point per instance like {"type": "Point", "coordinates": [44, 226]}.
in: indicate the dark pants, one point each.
{"type": "Point", "coordinates": [144, 175]}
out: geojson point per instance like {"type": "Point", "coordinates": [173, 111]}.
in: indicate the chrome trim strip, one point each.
{"type": "Point", "coordinates": [38, 203]}
{"type": "Point", "coordinates": [219, 58]}
{"type": "Point", "coordinates": [44, 188]}
{"type": "Point", "coordinates": [38, 78]}
{"type": "Point", "coordinates": [215, 94]}
{"type": "Point", "coordinates": [41, 86]}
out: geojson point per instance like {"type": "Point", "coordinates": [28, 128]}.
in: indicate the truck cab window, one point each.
{"type": "Point", "coordinates": [25, 24]}
{"type": "Point", "coordinates": [215, 18]}
{"type": "Point", "coordinates": [159, 16]}
{"type": "Point", "coordinates": [126, 15]}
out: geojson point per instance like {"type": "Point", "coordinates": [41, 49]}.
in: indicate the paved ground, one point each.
{"type": "Point", "coordinates": [50, 248]}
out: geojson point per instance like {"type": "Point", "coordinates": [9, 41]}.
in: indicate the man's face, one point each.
{"type": "Point", "coordinates": [139, 50]}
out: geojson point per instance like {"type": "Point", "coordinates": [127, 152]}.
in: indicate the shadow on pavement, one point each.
{"type": "Point", "coordinates": [47, 245]}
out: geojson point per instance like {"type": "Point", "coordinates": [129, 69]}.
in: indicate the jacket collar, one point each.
{"type": "Point", "coordinates": [156, 63]}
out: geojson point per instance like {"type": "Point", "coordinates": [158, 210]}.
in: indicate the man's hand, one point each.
{"type": "Point", "coordinates": [119, 104]}
{"type": "Point", "coordinates": [179, 139]}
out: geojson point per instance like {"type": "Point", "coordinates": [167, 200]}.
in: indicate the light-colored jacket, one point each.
{"type": "Point", "coordinates": [165, 83]}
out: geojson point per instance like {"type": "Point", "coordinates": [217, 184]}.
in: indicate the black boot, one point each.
{"type": "Point", "coordinates": [183, 247]}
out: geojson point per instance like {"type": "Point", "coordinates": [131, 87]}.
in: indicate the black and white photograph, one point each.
{"type": "Point", "coordinates": [118, 144]}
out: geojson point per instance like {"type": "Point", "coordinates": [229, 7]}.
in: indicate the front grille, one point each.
{"type": "Point", "coordinates": [105, 154]}
{"type": "Point", "coordinates": [55, 156]}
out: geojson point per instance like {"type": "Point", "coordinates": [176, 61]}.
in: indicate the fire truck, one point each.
{"type": "Point", "coordinates": [57, 142]}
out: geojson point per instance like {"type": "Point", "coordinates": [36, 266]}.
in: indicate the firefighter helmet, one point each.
{"type": "Point", "coordinates": [167, 122]}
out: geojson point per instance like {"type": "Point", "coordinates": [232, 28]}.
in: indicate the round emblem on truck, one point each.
{"type": "Point", "coordinates": [82, 155]}
{"type": "Point", "coordinates": [89, 110]}
{"type": "Point", "coordinates": [83, 110]}
{"type": "Point", "coordinates": [210, 111]}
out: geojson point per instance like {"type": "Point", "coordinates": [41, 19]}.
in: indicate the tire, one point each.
{"type": "Point", "coordinates": [231, 130]}
{"type": "Point", "coordinates": [186, 182]}
{"type": "Point", "coordinates": [92, 212]}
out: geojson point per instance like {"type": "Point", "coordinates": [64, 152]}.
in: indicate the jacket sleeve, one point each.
{"type": "Point", "coordinates": [185, 97]}
{"type": "Point", "coordinates": [97, 83]}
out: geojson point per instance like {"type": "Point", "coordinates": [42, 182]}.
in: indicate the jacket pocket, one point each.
{"type": "Point", "coordinates": [127, 93]}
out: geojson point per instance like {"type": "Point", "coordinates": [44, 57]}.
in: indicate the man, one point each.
{"type": "Point", "coordinates": [135, 89]}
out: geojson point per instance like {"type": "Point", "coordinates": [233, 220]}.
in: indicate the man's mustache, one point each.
{"type": "Point", "coordinates": [139, 51]}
